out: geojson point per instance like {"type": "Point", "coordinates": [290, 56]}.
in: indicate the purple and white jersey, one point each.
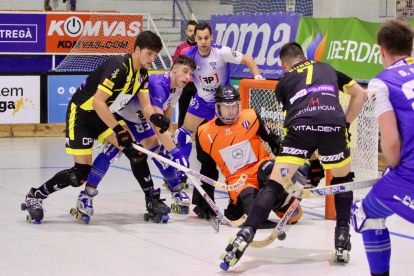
{"type": "Point", "coordinates": [392, 89]}
{"type": "Point", "coordinates": [212, 70]}
{"type": "Point", "coordinates": [160, 94]}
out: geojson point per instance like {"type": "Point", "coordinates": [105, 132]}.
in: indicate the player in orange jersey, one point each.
{"type": "Point", "coordinates": [232, 141]}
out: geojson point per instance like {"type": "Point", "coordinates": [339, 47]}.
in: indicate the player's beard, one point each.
{"type": "Point", "coordinates": [191, 39]}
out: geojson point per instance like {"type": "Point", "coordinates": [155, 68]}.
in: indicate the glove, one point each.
{"type": "Point", "coordinates": [178, 158]}
{"type": "Point", "coordinates": [275, 145]}
{"type": "Point", "coordinates": [159, 120]}
{"type": "Point", "coordinates": [315, 172]}
{"type": "Point", "coordinates": [347, 130]}
{"type": "Point", "coordinates": [258, 77]}
{"type": "Point", "coordinates": [122, 136]}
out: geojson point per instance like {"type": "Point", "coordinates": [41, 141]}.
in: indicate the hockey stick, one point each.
{"type": "Point", "coordinates": [214, 207]}
{"type": "Point", "coordinates": [218, 185]}
{"type": "Point", "coordinates": [329, 190]}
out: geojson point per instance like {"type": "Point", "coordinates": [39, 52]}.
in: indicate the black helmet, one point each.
{"type": "Point", "coordinates": [226, 97]}
{"type": "Point", "coordinates": [226, 94]}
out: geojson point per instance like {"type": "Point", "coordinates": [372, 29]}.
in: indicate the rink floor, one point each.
{"type": "Point", "coordinates": [119, 242]}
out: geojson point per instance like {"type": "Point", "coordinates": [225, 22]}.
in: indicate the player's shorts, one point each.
{"type": "Point", "coordinates": [251, 181]}
{"type": "Point", "coordinates": [395, 190]}
{"type": "Point", "coordinates": [200, 108]}
{"type": "Point", "coordinates": [140, 131]}
{"type": "Point", "coordinates": [82, 129]}
{"type": "Point", "coordinates": [301, 141]}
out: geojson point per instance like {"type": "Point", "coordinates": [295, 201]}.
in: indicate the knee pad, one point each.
{"type": "Point", "coordinates": [360, 222]}
{"type": "Point", "coordinates": [135, 156]}
{"type": "Point", "coordinates": [77, 175]}
{"type": "Point", "coordinates": [111, 153]}
{"type": "Point", "coordinates": [263, 174]}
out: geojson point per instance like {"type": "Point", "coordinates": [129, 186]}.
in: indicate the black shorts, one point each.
{"type": "Point", "coordinates": [82, 129]}
{"type": "Point", "coordinates": [301, 141]}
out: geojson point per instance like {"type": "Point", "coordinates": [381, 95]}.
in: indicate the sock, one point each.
{"type": "Point", "coordinates": [168, 172]}
{"type": "Point", "coordinates": [184, 141]}
{"type": "Point", "coordinates": [378, 249]}
{"type": "Point", "coordinates": [343, 203]}
{"type": "Point", "coordinates": [140, 169]}
{"type": "Point", "coordinates": [99, 168]}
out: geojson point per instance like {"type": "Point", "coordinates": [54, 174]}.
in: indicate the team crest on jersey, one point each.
{"type": "Point", "coordinates": [213, 64]}
{"type": "Point", "coordinates": [246, 124]}
{"type": "Point", "coordinates": [267, 129]}
{"type": "Point", "coordinates": [114, 74]}
{"type": "Point", "coordinates": [146, 85]}
{"type": "Point", "coordinates": [198, 67]}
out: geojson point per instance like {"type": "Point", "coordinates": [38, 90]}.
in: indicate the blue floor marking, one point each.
{"type": "Point", "coordinates": [220, 192]}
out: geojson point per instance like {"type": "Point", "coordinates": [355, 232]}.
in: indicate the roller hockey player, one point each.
{"type": "Point", "coordinates": [309, 93]}
{"type": "Point", "coordinates": [164, 92]}
{"type": "Point", "coordinates": [90, 116]}
{"type": "Point", "coordinates": [232, 141]}
{"type": "Point", "coordinates": [392, 91]}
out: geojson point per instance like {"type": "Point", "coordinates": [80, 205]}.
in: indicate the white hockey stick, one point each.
{"type": "Point", "coordinates": [218, 185]}
{"type": "Point", "coordinates": [214, 207]}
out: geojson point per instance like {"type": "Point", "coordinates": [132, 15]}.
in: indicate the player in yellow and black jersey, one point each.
{"type": "Point", "coordinates": [90, 117]}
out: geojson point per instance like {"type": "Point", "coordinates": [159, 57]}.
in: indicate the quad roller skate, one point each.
{"type": "Point", "coordinates": [182, 201]}
{"type": "Point", "coordinates": [157, 209]}
{"type": "Point", "coordinates": [33, 205]}
{"type": "Point", "coordinates": [340, 253]}
{"type": "Point", "coordinates": [236, 247]}
{"type": "Point", "coordinates": [84, 204]}
{"type": "Point", "coordinates": [183, 181]}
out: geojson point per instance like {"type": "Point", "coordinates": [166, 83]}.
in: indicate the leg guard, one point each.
{"type": "Point", "coordinates": [297, 214]}
{"type": "Point", "coordinates": [184, 140]}
{"type": "Point", "coordinates": [360, 222]}
{"type": "Point", "coordinates": [168, 172]}
{"type": "Point", "coordinates": [343, 201]}
{"type": "Point", "coordinates": [202, 208]}
{"type": "Point", "coordinates": [140, 169]}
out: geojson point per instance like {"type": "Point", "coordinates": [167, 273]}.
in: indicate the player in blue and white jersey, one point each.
{"type": "Point", "coordinates": [392, 91]}
{"type": "Point", "coordinates": [164, 91]}
{"type": "Point", "coordinates": [213, 69]}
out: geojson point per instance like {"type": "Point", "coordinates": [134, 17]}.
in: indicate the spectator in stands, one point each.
{"type": "Point", "coordinates": [72, 5]}
{"type": "Point", "coordinates": [189, 90]}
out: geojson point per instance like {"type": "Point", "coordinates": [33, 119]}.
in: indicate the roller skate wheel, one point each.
{"type": "Point", "coordinates": [333, 255]}
{"type": "Point", "coordinates": [79, 217]}
{"type": "Point", "coordinates": [172, 206]}
{"type": "Point", "coordinates": [29, 218]}
{"type": "Point", "coordinates": [186, 186]}
{"type": "Point", "coordinates": [223, 255]}
{"type": "Point", "coordinates": [224, 266]}
{"type": "Point", "coordinates": [232, 239]}
{"type": "Point", "coordinates": [146, 217]}
{"type": "Point", "coordinates": [233, 262]}
{"type": "Point", "coordinates": [281, 236]}
{"type": "Point", "coordinates": [184, 210]}
{"type": "Point", "coordinates": [36, 222]}
{"type": "Point", "coordinates": [157, 219]}
{"type": "Point", "coordinates": [23, 207]}
{"type": "Point", "coordinates": [346, 256]}
{"type": "Point", "coordinates": [179, 209]}
{"type": "Point", "coordinates": [85, 219]}
{"type": "Point", "coordinates": [72, 211]}
{"type": "Point", "coordinates": [165, 218]}
{"type": "Point", "coordinates": [242, 246]}
{"type": "Point", "coordinates": [229, 247]}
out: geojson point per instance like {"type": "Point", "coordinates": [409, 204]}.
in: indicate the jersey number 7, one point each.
{"type": "Point", "coordinates": [309, 75]}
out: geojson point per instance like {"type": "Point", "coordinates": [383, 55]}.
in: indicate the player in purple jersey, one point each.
{"type": "Point", "coordinates": [392, 91]}
{"type": "Point", "coordinates": [164, 91]}
{"type": "Point", "coordinates": [213, 69]}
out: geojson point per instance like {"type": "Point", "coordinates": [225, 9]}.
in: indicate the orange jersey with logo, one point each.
{"type": "Point", "coordinates": [236, 149]}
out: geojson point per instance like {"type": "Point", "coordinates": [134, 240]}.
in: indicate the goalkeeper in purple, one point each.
{"type": "Point", "coordinates": [213, 69]}
{"type": "Point", "coordinates": [392, 91]}
{"type": "Point", "coordinates": [164, 91]}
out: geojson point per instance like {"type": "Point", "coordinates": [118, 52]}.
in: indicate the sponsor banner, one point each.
{"type": "Point", "coordinates": [60, 90]}
{"type": "Point", "coordinates": [260, 37]}
{"type": "Point", "coordinates": [19, 99]}
{"type": "Point", "coordinates": [348, 44]}
{"type": "Point", "coordinates": [60, 33]}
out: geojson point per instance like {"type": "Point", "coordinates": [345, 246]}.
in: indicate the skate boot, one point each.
{"type": "Point", "coordinates": [182, 201]}
{"type": "Point", "coordinates": [342, 245]}
{"type": "Point", "coordinates": [236, 247]}
{"type": "Point", "coordinates": [157, 209]}
{"type": "Point", "coordinates": [84, 204]}
{"type": "Point", "coordinates": [33, 205]}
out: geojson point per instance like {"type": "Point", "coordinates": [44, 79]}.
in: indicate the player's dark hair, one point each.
{"type": "Point", "coordinates": [202, 26]}
{"type": "Point", "coordinates": [291, 51]}
{"type": "Point", "coordinates": [192, 23]}
{"type": "Point", "coordinates": [396, 36]}
{"type": "Point", "coordinates": [148, 40]}
{"type": "Point", "coordinates": [185, 60]}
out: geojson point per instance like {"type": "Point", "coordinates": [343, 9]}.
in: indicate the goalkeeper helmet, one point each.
{"type": "Point", "coordinates": [228, 105]}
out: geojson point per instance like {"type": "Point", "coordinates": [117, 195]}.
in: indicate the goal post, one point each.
{"type": "Point", "coordinates": [259, 95]}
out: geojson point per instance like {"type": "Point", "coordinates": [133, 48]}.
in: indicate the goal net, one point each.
{"type": "Point", "coordinates": [260, 96]}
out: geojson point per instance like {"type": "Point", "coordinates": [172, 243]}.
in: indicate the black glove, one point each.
{"type": "Point", "coordinates": [315, 172]}
{"type": "Point", "coordinates": [159, 120]}
{"type": "Point", "coordinates": [275, 144]}
{"type": "Point", "coordinates": [347, 130]}
{"type": "Point", "coordinates": [122, 136]}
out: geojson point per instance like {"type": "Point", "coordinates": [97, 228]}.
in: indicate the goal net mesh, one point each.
{"type": "Point", "coordinates": [364, 137]}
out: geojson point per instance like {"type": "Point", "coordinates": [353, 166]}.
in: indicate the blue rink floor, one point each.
{"type": "Point", "coordinates": [119, 242]}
